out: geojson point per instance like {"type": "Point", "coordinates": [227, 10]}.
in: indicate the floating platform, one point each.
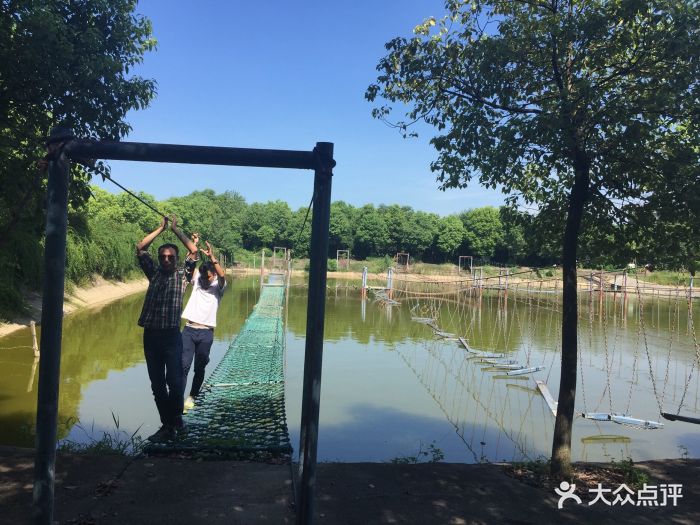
{"type": "Point", "coordinates": [678, 417]}
{"type": "Point", "coordinates": [476, 353]}
{"type": "Point", "coordinates": [547, 395]}
{"type": "Point", "coordinates": [622, 419]}
{"type": "Point", "coordinates": [523, 371]}
{"type": "Point", "coordinates": [424, 320]}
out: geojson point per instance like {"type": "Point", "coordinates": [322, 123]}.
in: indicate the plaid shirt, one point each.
{"type": "Point", "coordinates": [163, 304]}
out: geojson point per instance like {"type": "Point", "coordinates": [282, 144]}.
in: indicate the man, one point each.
{"type": "Point", "coordinates": [160, 318]}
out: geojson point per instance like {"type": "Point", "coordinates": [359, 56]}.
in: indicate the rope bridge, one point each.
{"type": "Point", "coordinates": [241, 406]}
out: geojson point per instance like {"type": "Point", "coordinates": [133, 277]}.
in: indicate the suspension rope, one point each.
{"type": "Point", "coordinates": [696, 361]}
{"type": "Point", "coordinates": [105, 176]}
{"type": "Point", "coordinates": [305, 217]}
{"type": "Point", "coordinates": [646, 345]}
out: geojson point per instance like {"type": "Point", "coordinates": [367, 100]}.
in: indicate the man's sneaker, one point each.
{"type": "Point", "coordinates": [180, 428]}
{"type": "Point", "coordinates": [189, 404]}
{"type": "Point", "coordinates": [165, 433]}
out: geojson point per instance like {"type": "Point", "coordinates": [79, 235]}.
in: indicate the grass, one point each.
{"type": "Point", "coordinates": [430, 455]}
{"type": "Point", "coordinates": [537, 473]}
{"type": "Point", "coordinates": [115, 442]}
{"type": "Point", "coordinates": [665, 278]}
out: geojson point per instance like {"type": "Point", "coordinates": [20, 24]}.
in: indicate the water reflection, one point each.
{"type": "Point", "coordinates": [390, 386]}
{"type": "Point", "coordinates": [102, 369]}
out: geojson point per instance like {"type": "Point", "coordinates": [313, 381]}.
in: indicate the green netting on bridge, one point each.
{"type": "Point", "coordinates": [241, 406]}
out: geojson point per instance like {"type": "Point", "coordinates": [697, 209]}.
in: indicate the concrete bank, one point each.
{"type": "Point", "coordinates": [148, 490]}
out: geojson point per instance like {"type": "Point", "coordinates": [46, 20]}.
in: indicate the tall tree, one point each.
{"type": "Point", "coordinates": [65, 63]}
{"type": "Point", "coordinates": [340, 228]}
{"type": "Point", "coordinates": [371, 233]}
{"type": "Point", "coordinates": [420, 237]}
{"type": "Point", "coordinates": [449, 237]}
{"type": "Point", "coordinates": [563, 103]}
{"type": "Point", "coordinates": [483, 231]}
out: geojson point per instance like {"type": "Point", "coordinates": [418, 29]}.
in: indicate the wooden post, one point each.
{"type": "Point", "coordinates": [51, 328]}
{"type": "Point", "coordinates": [390, 282]}
{"type": "Point", "coordinates": [262, 267]}
{"type": "Point", "coordinates": [315, 319]}
{"type": "Point", "coordinates": [364, 282]}
{"type": "Point", "coordinates": [30, 384]}
{"type": "Point", "coordinates": [35, 346]}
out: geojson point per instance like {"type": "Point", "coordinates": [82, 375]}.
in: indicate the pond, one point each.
{"type": "Point", "coordinates": [392, 387]}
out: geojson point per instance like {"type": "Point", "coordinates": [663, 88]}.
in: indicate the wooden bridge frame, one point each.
{"type": "Point", "coordinates": [63, 147]}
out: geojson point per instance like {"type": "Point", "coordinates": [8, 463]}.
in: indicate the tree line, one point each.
{"type": "Point", "coordinates": [102, 232]}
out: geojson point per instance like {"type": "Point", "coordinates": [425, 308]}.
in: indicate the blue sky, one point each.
{"type": "Point", "coordinates": [283, 74]}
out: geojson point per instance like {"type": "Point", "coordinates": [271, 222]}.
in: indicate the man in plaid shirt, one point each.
{"type": "Point", "coordinates": [160, 318]}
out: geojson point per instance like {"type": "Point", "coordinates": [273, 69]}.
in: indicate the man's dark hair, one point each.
{"type": "Point", "coordinates": [168, 245]}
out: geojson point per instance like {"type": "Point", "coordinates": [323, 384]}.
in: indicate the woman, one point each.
{"type": "Point", "coordinates": [200, 316]}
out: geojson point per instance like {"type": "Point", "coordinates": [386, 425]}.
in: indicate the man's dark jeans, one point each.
{"type": "Point", "coordinates": [163, 351]}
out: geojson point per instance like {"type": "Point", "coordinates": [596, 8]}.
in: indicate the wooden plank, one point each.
{"type": "Point", "coordinates": [525, 370]}
{"type": "Point", "coordinates": [623, 420]}
{"type": "Point", "coordinates": [634, 422]}
{"type": "Point", "coordinates": [547, 395]}
{"type": "Point", "coordinates": [501, 362]}
{"type": "Point", "coordinates": [482, 355]}
{"type": "Point", "coordinates": [678, 417]}
{"type": "Point", "coordinates": [598, 416]}
{"type": "Point", "coordinates": [506, 366]}
{"type": "Point", "coordinates": [466, 346]}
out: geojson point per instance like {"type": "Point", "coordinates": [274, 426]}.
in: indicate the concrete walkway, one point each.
{"type": "Point", "coordinates": [151, 490]}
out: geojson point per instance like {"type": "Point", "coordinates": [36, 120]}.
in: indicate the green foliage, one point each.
{"type": "Point", "coordinates": [634, 477]}
{"type": "Point", "coordinates": [585, 109]}
{"type": "Point", "coordinates": [114, 442]}
{"type": "Point", "coordinates": [483, 231]}
{"type": "Point", "coordinates": [371, 233]}
{"type": "Point", "coordinates": [450, 236]}
{"type": "Point", "coordinates": [68, 64]}
{"type": "Point", "coordinates": [340, 229]}
{"type": "Point", "coordinates": [430, 455]}
{"type": "Point", "coordinates": [332, 265]}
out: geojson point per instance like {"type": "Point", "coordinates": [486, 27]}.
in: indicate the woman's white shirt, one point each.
{"type": "Point", "coordinates": [204, 302]}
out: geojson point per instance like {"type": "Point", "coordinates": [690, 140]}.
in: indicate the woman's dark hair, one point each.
{"type": "Point", "coordinates": [204, 270]}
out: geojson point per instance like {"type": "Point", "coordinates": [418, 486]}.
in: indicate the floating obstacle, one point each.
{"type": "Point", "coordinates": [678, 417]}
{"type": "Point", "coordinates": [501, 362]}
{"type": "Point", "coordinates": [622, 419]}
{"type": "Point", "coordinates": [476, 353]}
{"type": "Point", "coordinates": [524, 371]}
{"type": "Point", "coordinates": [424, 320]}
{"type": "Point", "coordinates": [507, 366]}
{"type": "Point", "coordinates": [547, 395]}
{"type": "Point", "coordinates": [605, 438]}
{"type": "Point", "coordinates": [381, 295]}
{"type": "Point", "coordinates": [444, 335]}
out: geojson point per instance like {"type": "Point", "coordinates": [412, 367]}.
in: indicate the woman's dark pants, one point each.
{"type": "Point", "coordinates": [196, 343]}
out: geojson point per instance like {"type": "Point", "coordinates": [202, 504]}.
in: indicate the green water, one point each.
{"type": "Point", "coordinates": [390, 386]}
